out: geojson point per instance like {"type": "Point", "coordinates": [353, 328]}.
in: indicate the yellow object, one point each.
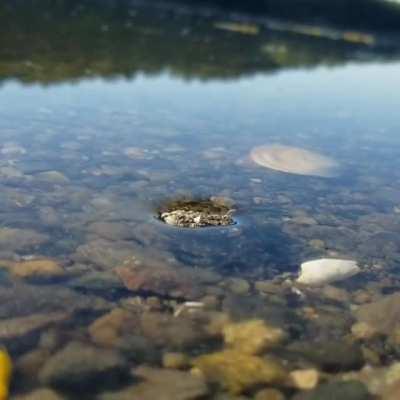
{"type": "Point", "coordinates": [5, 374]}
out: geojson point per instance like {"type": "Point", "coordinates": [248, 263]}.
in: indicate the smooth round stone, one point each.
{"type": "Point", "coordinates": [326, 270]}
{"type": "Point", "coordinates": [294, 160]}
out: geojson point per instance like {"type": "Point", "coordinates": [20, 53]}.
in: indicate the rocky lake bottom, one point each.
{"type": "Point", "coordinates": [159, 210]}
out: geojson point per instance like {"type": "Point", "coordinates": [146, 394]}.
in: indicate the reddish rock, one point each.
{"type": "Point", "coordinates": [176, 281]}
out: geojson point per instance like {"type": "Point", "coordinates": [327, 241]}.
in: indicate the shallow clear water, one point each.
{"type": "Point", "coordinates": [96, 134]}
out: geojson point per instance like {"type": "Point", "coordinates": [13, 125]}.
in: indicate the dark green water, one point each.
{"type": "Point", "coordinates": [106, 113]}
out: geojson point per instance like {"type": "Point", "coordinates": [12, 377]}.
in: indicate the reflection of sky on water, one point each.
{"type": "Point", "coordinates": [363, 98]}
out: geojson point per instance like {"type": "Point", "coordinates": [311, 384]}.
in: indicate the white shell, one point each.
{"type": "Point", "coordinates": [326, 270]}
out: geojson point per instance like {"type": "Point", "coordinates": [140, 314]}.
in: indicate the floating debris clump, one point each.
{"type": "Point", "coordinates": [196, 214]}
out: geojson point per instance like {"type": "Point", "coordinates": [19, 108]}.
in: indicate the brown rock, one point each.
{"type": "Point", "coordinates": [176, 332]}
{"type": "Point", "coordinates": [269, 394]}
{"type": "Point", "coordinates": [79, 366]}
{"type": "Point", "coordinates": [20, 326]}
{"type": "Point", "coordinates": [40, 394]}
{"type": "Point", "coordinates": [111, 230]}
{"type": "Point", "coordinates": [104, 254]}
{"type": "Point", "coordinates": [30, 363]}
{"type": "Point", "coordinates": [107, 330]}
{"type": "Point", "coordinates": [383, 315]}
{"type": "Point", "coordinates": [162, 384]}
{"type": "Point", "coordinates": [164, 279]}
{"type": "Point", "coordinates": [39, 268]}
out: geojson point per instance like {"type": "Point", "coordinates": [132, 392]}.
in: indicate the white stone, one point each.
{"type": "Point", "coordinates": [294, 160]}
{"type": "Point", "coordinates": [325, 270]}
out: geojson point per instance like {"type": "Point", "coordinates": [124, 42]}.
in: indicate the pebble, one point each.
{"type": "Point", "coordinates": [306, 379]}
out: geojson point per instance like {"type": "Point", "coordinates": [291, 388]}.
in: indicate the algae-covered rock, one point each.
{"type": "Point", "coordinates": [252, 337]}
{"type": "Point", "coordinates": [236, 371]}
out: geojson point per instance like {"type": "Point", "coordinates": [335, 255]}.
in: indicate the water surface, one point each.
{"type": "Point", "coordinates": [106, 116]}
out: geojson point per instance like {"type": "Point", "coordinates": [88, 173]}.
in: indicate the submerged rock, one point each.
{"type": "Point", "coordinates": [237, 371]}
{"type": "Point", "coordinates": [325, 270]}
{"type": "Point", "coordinates": [20, 326]}
{"type": "Point", "coordinates": [103, 253]}
{"type": "Point", "coordinates": [252, 337]}
{"type": "Point", "coordinates": [294, 160]}
{"type": "Point", "coordinates": [164, 279]}
{"type": "Point", "coordinates": [269, 394]}
{"type": "Point", "coordinates": [52, 177]}
{"type": "Point", "coordinates": [111, 230]}
{"type": "Point", "coordinates": [330, 355]}
{"type": "Point", "coordinates": [79, 366]}
{"type": "Point", "coordinates": [24, 300]}
{"type": "Point", "coordinates": [40, 394]}
{"type": "Point", "coordinates": [39, 268]}
{"type": "Point", "coordinates": [162, 384]}
{"type": "Point", "coordinates": [176, 333]}
{"type": "Point", "coordinates": [351, 390]}
{"type": "Point", "coordinates": [383, 382]}
{"type": "Point", "coordinates": [18, 239]}
{"type": "Point", "coordinates": [382, 316]}
{"type": "Point", "coordinates": [109, 328]}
